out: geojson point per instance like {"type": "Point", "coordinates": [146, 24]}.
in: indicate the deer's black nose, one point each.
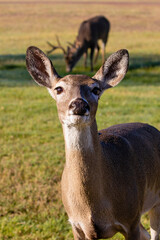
{"type": "Point", "coordinates": [79, 107]}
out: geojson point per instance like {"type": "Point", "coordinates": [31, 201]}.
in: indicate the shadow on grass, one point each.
{"type": "Point", "coordinates": [142, 70]}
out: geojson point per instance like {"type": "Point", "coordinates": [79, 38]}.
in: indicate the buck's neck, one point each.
{"type": "Point", "coordinates": [79, 53]}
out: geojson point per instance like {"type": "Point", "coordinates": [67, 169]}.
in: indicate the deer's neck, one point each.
{"type": "Point", "coordinates": [83, 157]}
{"type": "Point", "coordinates": [79, 53]}
{"type": "Point", "coordinates": [82, 142]}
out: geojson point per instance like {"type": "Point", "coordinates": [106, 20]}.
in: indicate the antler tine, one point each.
{"type": "Point", "coordinates": [58, 41]}
{"type": "Point", "coordinates": [71, 44]}
{"type": "Point", "coordinates": [53, 47]}
{"type": "Point", "coordinates": [59, 45]}
{"type": "Point", "coordinates": [48, 52]}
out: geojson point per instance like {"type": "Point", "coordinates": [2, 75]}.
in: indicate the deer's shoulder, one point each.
{"type": "Point", "coordinates": [128, 133]}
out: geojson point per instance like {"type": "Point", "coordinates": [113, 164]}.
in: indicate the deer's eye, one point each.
{"type": "Point", "coordinates": [59, 90]}
{"type": "Point", "coordinates": [96, 91]}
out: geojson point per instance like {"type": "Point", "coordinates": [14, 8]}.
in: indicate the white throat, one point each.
{"type": "Point", "coordinates": [77, 138]}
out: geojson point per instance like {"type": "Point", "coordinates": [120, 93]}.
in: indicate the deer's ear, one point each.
{"type": "Point", "coordinates": [40, 67]}
{"type": "Point", "coordinates": [113, 70]}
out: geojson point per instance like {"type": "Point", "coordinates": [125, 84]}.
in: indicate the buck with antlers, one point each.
{"type": "Point", "coordinates": [110, 177]}
{"type": "Point", "coordinates": [90, 32]}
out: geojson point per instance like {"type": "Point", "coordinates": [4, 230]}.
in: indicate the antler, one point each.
{"type": "Point", "coordinates": [55, 47]}
{"type": "Point", "coordinates": [71, 44]}
{"type": "Point", "coordinates": [60, 46]}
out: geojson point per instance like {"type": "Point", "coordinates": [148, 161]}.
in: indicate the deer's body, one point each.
{"type": "Point", "coordinates": [90, 31]}
{"type": "Point", "coordinates": [99, 183]}
{"type": "Point", "coordinates": [112, 177]}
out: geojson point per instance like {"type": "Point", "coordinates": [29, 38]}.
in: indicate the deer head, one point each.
{"type": "Point", "coordinates": [71, 55]}
{"type": "Point", "coordinates": [76, 95]}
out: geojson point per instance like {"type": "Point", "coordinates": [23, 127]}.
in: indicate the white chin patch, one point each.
{"type": "Point", "coordinates": [73, 120]}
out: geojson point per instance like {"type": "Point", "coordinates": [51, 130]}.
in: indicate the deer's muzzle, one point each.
{"type": "Point", "coordinates": [68, 69]}
{"type": "Point", "coordinates": [79, 107]}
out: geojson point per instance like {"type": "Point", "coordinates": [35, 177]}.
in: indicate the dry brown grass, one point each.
{"type": "Point", "coordinates": [33, 23]}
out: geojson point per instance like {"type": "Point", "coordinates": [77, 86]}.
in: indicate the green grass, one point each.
{"type": "Point", "coordinates": [32, 147]}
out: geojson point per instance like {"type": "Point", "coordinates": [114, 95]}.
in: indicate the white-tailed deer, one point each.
{"type": "Point", "coordinates": [110, 177]}
{"type": "Point", "coordinates": [89, 33]}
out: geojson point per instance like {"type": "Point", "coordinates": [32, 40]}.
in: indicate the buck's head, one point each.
{"type": "Point", "coordinates": [71, 58]}
{"type": "Point", "coordinates": [71, 55]}
{"type": "Point", "coordinates": [76, 95]}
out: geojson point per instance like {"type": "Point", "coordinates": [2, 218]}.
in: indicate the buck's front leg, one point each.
{"type": "Point", "coordinates": [96, 53]}
{"type": "Point", "coordinates": [91, 57]}
{"type": "Point", "coordinates": [85, 59]}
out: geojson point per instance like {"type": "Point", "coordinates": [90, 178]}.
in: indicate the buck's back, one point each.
{"type": "Point", "coordinates": [93, 28]}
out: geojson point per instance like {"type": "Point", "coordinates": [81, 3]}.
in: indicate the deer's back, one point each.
{"type": "Point", "coordinates": [94, 29]}
{"type": "Point", "coordinates": [132, 151]}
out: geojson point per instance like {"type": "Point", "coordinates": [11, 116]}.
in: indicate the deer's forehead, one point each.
{"type": "Point", "coordinates": [76, 80]}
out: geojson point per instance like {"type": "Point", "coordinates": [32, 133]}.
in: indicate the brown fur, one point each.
{"type": "Point", "coordinates": [90, 31]}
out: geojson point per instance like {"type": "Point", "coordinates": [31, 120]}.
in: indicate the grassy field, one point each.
{"type": "Point", "coordinates": [31, 140]}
